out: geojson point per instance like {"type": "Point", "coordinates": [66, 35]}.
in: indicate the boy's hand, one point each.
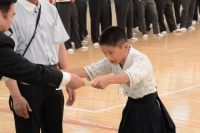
{"type": "Point", "coordinates": [101, 83]}
{"type": "Point", "coordinates": [72, 96]}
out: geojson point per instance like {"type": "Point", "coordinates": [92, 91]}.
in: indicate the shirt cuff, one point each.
{"type": "Point", "coordinates": [4, 79]}
{"type": "Point", "coordinates": [66, 79]}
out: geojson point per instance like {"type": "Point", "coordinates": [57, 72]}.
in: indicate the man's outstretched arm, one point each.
{"type": "Point", "coordinates": [15, 66]}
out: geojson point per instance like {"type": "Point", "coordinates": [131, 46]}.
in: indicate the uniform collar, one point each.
{"type": "Point", "coordinates": [29, 6]}
{"type": "Point", "coordinates": [128, 59]}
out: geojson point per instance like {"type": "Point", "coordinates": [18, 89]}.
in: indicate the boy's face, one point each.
{"type": "Point", "coordinates": [116, 55]}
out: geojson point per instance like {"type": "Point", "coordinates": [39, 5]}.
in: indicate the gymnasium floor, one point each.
{"type": "Point", "coordinates": [176, 62]}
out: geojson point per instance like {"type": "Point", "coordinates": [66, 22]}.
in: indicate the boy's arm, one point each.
{"type": "Point", "coordinates": [100, 68]}
{"type": "Point", "coordinates": [20, 104]}
{"type": "Point", "coordinates": [93, 71]}
{"type": "Point", "coordinates": [121, 78]}
{"type": "Point", "coordinates": [81, 72]}
{"type": "Point", "coordinates": [103, 82]}
{"type": "Point", "coordinates": [138, 71]}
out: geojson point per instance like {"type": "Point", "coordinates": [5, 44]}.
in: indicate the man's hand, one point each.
{"type": "Point", "coordinates": [72, 96]}
{"type": "Point", "coordinates": [75, 82]}
{"type": "Point", "coordinates": [21, 106]}
{"type": "Point", "coordinates": [101, 83]}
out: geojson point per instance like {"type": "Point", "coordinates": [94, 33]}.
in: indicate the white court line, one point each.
{"type": "Point", "coordinates": [95, 124]}
{"type": "Point", "coordinates": [179, 90]}
{"type": "Point", "coordinates": [159, 95]}
{"type": "Point", "coordinates": [89, 111]}
{"type": "Point", "coordinates": [85, 122]}
{"type": "Point", "coordinates": [3, 98]}
{"type": "Point", "coordinates": [174, 50]}
{"type": "Point", "coordinates": [110, 108]}
{"type": "Point", "coordinates": [81, 110]}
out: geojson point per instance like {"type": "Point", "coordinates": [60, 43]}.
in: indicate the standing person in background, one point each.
{"type": "Point", "coordinates": [150, 7]}
{"type": "Point", "coordinates": [69, 15]}
{"type": "Point", "coordinates": [148, 21]}
{"type": "Point", "coordinates": [164, 7]}
{"type": "Point", "coordinates": [100, 13]}
{"type": "Point", "coordinates": [196, 12]}
{"type": "Point", "coordinates": [187, 14]}
{"type": "Point", "coordinates": [135, 15]}
{"type": "Point", "coordinates": [85, 34]}
{"type": "Point", "coordinates": [82, 18]}
{"type": "Point", "coordinates": [124, 9]}
{"type": "Point", "coordinates": [177, 7]}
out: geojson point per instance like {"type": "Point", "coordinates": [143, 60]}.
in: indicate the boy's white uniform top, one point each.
{"type": "Point", "coordinates": [137, 66]}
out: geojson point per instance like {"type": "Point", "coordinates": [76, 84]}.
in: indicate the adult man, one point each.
{"type": "Point", "coordinates": [46, 48]}
{"type": "Point", "coordinates": [15, 66]}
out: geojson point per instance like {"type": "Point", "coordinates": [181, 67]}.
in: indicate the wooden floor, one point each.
{"type": "Point", "coordinates": [176, 62]}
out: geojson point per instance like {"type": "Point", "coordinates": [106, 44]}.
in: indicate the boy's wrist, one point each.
{"type": "Point", "coordinates": [110, 80]}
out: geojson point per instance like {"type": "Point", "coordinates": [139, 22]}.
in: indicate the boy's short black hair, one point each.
{"type": "Point", "coordinates": [113, 36]}
{"type": "Point", "coordinates": [5, 6]}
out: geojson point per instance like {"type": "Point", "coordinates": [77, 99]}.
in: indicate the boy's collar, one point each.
{"type": "Point", "coordinates": [129, 57]}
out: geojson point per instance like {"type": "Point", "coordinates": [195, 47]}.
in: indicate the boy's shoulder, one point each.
{"type": "Point", "coordinates": [137, 55]}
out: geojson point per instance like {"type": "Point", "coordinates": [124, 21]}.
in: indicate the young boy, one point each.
{"type": "Point", "coordinates": [144, 111]}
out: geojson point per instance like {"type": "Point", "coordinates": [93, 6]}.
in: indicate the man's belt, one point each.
{"type": "Point", "coordinates": [54, 66]}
